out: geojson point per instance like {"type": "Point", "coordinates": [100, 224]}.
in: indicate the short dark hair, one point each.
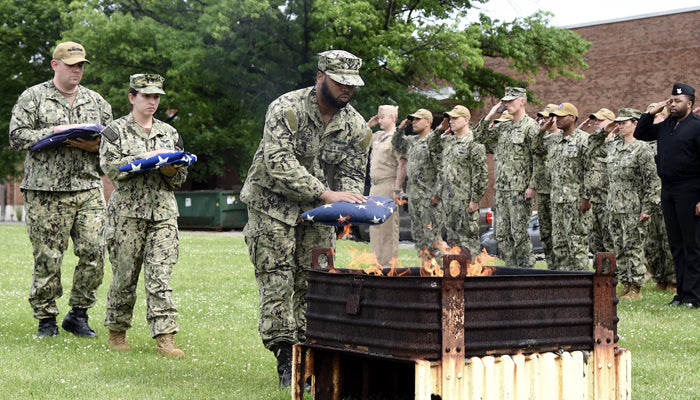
{"type": "Point", "coordinates": [691, 98]}
{"type": "Point", "coordinates": [133, 91]}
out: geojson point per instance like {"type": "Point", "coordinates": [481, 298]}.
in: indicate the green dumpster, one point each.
{"type": "Point", "coordinates": [211, 209]}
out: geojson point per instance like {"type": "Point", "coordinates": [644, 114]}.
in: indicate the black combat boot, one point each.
{"type": "Point", "coordinates": [283, 353]}
{"type": "Point", "coordinates": [76, 322]}
{"type": "Point", "coordinates": [47, 327]}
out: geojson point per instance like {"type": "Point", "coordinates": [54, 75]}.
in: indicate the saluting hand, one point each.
{"type": "Point", "coordinates": [373, 121]}
{"type": "Point", "coordinates": [586, 122]}
{"type": "Point", "coordinates": [403, 124]}
{"type": "Point", "coordinates": [494, 110]}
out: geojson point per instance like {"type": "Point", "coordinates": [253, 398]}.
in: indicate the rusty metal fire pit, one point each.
{"type": "Point", "coordinates": [448, 319]}
{"type": "Point", "coordinates": [513, 311]}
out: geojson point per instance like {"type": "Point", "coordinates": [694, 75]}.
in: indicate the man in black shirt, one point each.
{"type": "Point", "coordinates": [678, 166]}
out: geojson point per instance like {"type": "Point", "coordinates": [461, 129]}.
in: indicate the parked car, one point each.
{"type": "Point", "coordinates": [361, 232]}
{"type": "Point", "coordinates": [488, 239]}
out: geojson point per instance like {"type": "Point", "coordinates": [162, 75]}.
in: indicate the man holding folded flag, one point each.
{"type": "Point", "coordinates": [62, 189]}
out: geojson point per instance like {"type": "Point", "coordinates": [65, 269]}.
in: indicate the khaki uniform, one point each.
{"type": "Point", "coordinates": [427, 219]}
{"type": "Point", "coordinates": [515, 159]}
{"type": "Point", "coordinates": [633, 188]}
{"type": "Point", "coordinates": [299, 157]}
{"type": "Point", "coordinates": [141, 228]}
{"type": "Point", "coordinates": [463, 177]}
{"type": "Point", "coordinates": [63, 195]}
{"type": "Point", "coordinates": [570, 226]}
{"type": "Point", "coordinates": [384, 238]}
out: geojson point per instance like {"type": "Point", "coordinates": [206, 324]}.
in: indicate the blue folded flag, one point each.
{"type": "Point", "coordinates": [59, 138]}
{"type": "Point", "coordinates": [176, 158]}
{"type": "Point", "coordinates": [374, 212]}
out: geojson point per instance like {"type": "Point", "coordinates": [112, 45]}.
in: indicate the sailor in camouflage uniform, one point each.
{"type": "Point", "coordinates": [544, 203]}
{"type": "Point", "coordinates": [427, 215]}
{"type": "Point", "coordinates": [313, 151]}
{"type": "Point", "coordinates": [515, 175]}
{"type": "Point", "coordinates": [599, 238]}
{"type": "Point", "coordinates": [141, 228]}
{"type": "Point", "coordinates": [62, 189]}
{"type": "Point", "coordinates": [569, 193]}
{"type": "Point", "coordinates": [462, 178]}
{"type": "Point", "coordinates": [631, 200]}
{"type": "Point", "coordinates": [657, 250]}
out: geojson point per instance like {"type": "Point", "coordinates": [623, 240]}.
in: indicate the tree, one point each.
{"type": "Point", "coordinates": [225, 60]}
{"type": "Point", "coordinates": [28, 33]}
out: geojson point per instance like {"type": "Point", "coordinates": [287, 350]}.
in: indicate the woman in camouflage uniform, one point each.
{"type": "Point", "coordinates": [141, 228]}
{"type": "Point", "coordinates": [632, 185]}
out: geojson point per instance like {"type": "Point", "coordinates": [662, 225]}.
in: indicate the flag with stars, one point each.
{"type": "Point", "coordinates": [59, 138]}
{"type": "Point", "coordinates": [374, 212]}
{"type": "Point", "coordinates": [175, 158]}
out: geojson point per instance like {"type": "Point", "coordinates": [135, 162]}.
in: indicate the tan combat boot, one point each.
{"type": "Point", "coordinates": [623, 290]}
{"type": "Point", "coordinates": [117, 341]}
{"type": "Point", "coordinates": [635, 293]}
{"type": "Point", "coordinates": [166, 346]}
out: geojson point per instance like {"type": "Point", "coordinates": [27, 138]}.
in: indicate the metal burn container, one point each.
{"type": "Point", "coordinates": [512, 311]}
{"type": "Point", "coordinates": [476, 331]}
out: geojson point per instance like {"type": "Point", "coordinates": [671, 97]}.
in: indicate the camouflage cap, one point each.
{"type": "Point", "coordinates": [505, 116]}
{"type": "Point", "coordinates": [548, 109]}
{"type": "Point", "coordinates": [388, 110]}
{"type": "Point", "coordinates": [628, 113]}
{"type": "Point", "coordinates": [513, 93]}
{"type": "Point", "coordinates": [652, 106]}
{"type": "Point", "coordinates": [341, 66]}
{"type": "Point", "coordinates": [422, 113]}
{"type": "Point", "coordinates": [70, 53]}
{"type": "Point", "coordinates": [565, 109]}
{"type": "Point", "coordinates": [602, 114]}
{"type": "Point", "coordinates": [458, 111]}
{"type": "Point", "coordinates": [682, 88]}
{"type": "Point", "coordinates": [147, 83]}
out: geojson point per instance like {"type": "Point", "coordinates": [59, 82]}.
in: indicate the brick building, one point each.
{"type": "Point", "coordinates": [632, 62]}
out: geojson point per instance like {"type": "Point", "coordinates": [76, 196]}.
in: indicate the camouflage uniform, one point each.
{"type": "Point", "coordinates": [633, 188]}
{"type": "Point", "coordinates": [570, 226]}
{"type": "Point", "coordinates": [299, 157]}
{"type": "Point", "coordinates": [599, 239]}
{"type": "Point", "coordinates": [515, 159]}
{"type": "Point", "coordinates": [384, 238]}
{"type": "Point", "coordinates": [427, 219]}
{"type": "Point", "coordinates": [657, 250]}
{"type": "Point", "coordinates": [63, 195]}
{"type": "Point", "coordinates": [141, 228]}
{"type": "Point", "coordinates": [462, 178]}
{"type": "Point", "coordinates": [544, 202]}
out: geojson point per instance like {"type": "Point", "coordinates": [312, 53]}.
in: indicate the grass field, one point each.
{"type": "Point", "coordinates": [216, 294]}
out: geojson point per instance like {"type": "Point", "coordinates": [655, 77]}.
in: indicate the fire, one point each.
{"type": "Point", "coordinates": [345, 232]}
{"type": "Point", "coordinates": [361, 260]}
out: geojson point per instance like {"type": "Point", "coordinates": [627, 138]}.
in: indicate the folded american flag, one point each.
{"type": "Point", "coordinates": [59, 138]}
{"type": "Point", "coordinates": [175, 158]}
{"type": "Point", "coordinates": [375, 211]}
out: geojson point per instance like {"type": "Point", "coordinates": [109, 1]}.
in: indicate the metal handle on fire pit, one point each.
{"type": "Point", "coordinates": [462, 259]}
{"type": "Point", "coordinates": [316, 252]}
{"type": "Point", "coordinates": [599, 257]}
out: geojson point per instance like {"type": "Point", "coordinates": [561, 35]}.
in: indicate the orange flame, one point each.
{"type": "Point", "coordinates": [345, 232]}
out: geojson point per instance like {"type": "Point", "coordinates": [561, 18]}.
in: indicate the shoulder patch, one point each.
{"type": "Point", "coordinates": [366, 141]}
{"type": "Point", "coordinates": [109, 134]}
{"type": "Point", "coordinates": [292, 121]}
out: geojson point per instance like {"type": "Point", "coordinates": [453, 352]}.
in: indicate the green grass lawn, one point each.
{"type": "Point", "coordinates": [216, 294]}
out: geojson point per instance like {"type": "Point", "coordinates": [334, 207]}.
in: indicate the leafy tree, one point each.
{"type": "Point", "coordinates": [225, 60]}
{"type": "Point", "coordinates": [28, 33]}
